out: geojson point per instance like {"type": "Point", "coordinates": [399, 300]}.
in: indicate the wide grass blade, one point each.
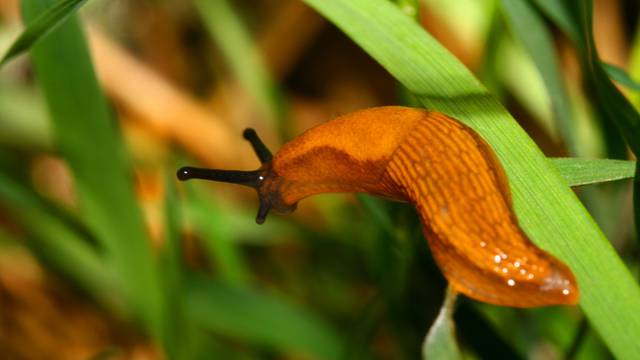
{"type": "Point", "coordinates": [41, 26]}
{"type": "Point", "coordinates": [440, 342]}
{"type": "Point", "coordinates": [86, 135]}
{"type": "Point", "coordinates": [547, 209]}
{"type": "Point", "coordinates": [576, 171]}
{"type": "Point", "coordinates": [253, 316]}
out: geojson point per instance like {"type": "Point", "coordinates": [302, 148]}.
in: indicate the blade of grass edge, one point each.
{"type": "Point", "coordinates": [620, 75]}
{"type": "Point", "coordinates": [548, 210]}
{"type": "Point", "coordinates": [531, 31]}
{"type": "Point", "coordinates": [41, 26]}
{"type": "Point", "coordinates": [579, 171]}
{"type": "Point", "coordinates": [87, 138]}
{"type": "Point", "coordinates": [242, 55]}
{"type": "Point", "coordinates": [619, 111]}
{"type": "Point", "coordinates": [560, 15]}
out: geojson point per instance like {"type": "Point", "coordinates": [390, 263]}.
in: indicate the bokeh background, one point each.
{"type": "Point", "coordinates": [181, 270]}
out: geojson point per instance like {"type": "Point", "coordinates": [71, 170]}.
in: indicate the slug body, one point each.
{"type": "Point", "coordinates": [442, 167]}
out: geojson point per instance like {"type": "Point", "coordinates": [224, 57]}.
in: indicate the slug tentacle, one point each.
{"type": "Point", "coordinates": [262, 179]}
{"type": "Point", "coordinates": [442, 167]}
{"type": "Point", "coordinates": [260, 149]}
{"type": "Point", "coordinates": [246, 178]}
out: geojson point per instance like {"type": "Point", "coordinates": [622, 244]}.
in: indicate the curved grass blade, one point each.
{"type": "Point", "coordinates": [548, 210]}
{"type": "Point", "coordinates": [56, 242]}
{"type": "Point", "coordinates": [634, 66]}
{"type": "Point", "coordinates": [241, 54]}
{"type": "Point", "coordinates": [530, 29]}
{"type": "Point", "coordinates": [253, 316]}
{"type": "Point", "coordinates": [41, 26]}
{"type": "Point", "coordinates": [561, 16]}
{"type": "Point", "coordinates": [577, 171]}
{"type": "Point", "coordinates": [440, 342]}
{"type": "Point", "coordinates": [619, 75]}
{"type": "Point", "coordinates": [615, 106]}
{"type": "Point", "coordinates": [86, 136]}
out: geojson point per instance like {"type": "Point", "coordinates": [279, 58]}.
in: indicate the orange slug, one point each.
{"type": "Point", "coordinates": [442, 167]}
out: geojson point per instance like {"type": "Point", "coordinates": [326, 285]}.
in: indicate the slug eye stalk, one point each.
{"type": "Point", "coordinates": [258, 146]}
{"type": "Point", "coordinates": [254, 179]}
{"type": "Point", "coordinates": [442, 167]}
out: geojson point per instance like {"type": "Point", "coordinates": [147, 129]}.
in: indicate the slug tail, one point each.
{"type": "Point", "coordinates": [461, 194]}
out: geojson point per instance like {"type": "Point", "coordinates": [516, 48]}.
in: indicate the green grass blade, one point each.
{"type": "Point", "coordinates": [440, 342]}
{"type": "Point", "coordinates": [172, 268]}
{"type": "Point", "coordinates": [56, 242]}
{"type": "Point", "coordinates": [41, 26]}
{"type": "Point", "coordinates": [576, 171]}
{"type": "Point", "coordinates": [634, 66]}
{"type": "Point", "coordinates": [530, 29]}
{"type": "Point", "coordinates": [253, 316]}
{"type": "Point", "coordinates": [617, 109]}
{"type": "Point", "coordinates": [548, 210]}
{"type": "Point", "coordinates": [619, 75]}
{"type": "Point", "coordinates": [561, 15]}
{"type": "Point", "coordinates": [85, 133]}
{"type": "Point", "coordinates": [409, 7]}
{"type": "Point", "coordinates": [23, 119]}
{"type": "Point", "coordinates": [241, 54]}
{"type": "Point", "coordinates": [218, 239]}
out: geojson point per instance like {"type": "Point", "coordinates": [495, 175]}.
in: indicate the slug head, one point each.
{"type": "Point", "coordinates": [264, 180]}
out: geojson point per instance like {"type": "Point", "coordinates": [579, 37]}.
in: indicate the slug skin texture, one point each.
{"type": "Point", "coordinates": [448, 173]}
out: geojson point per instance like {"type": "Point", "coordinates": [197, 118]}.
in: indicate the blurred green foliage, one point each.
{"type": "Point", "coordinates": [363, 285]}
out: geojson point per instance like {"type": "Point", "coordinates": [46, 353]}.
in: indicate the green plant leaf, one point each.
{"type": "Point", "coordinates": [85, 133]}
{"type": "Point", "coordinates": [254, 316]}
{"type": "Point", "coordinates": [618, 74]}
{"type": "Point", "coordinates": [561, 15]}
{"type": "Point", "coordinates": [41, 26]}
{"type": "Point", "coordinates": [57, 242]}
{"type": "Point", "coordinates": [242, 56]}
{"type": "Point", "coordinates": [409, 7]}
{"type": "Point", "coordinates": [634, 66]}
{"type": "Point", "coordinates": [217, 238]}
{"type": "Point", "coordinates": [529, 28]}
{"type": "Point", "coordinates": [547, 209]}
{"type": "Point", "coordinates": [23, 119]}
{"type": "Point", "coordinates": [615, 107]}
{"type": "Point", "coordinates": [440, 342]}
{"type": "Point", "coordinates": [576, 171]}
{"type": "Point", "coordinates": [618, 108]}
{"type": "Point", "coordinates": [172, 268]}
